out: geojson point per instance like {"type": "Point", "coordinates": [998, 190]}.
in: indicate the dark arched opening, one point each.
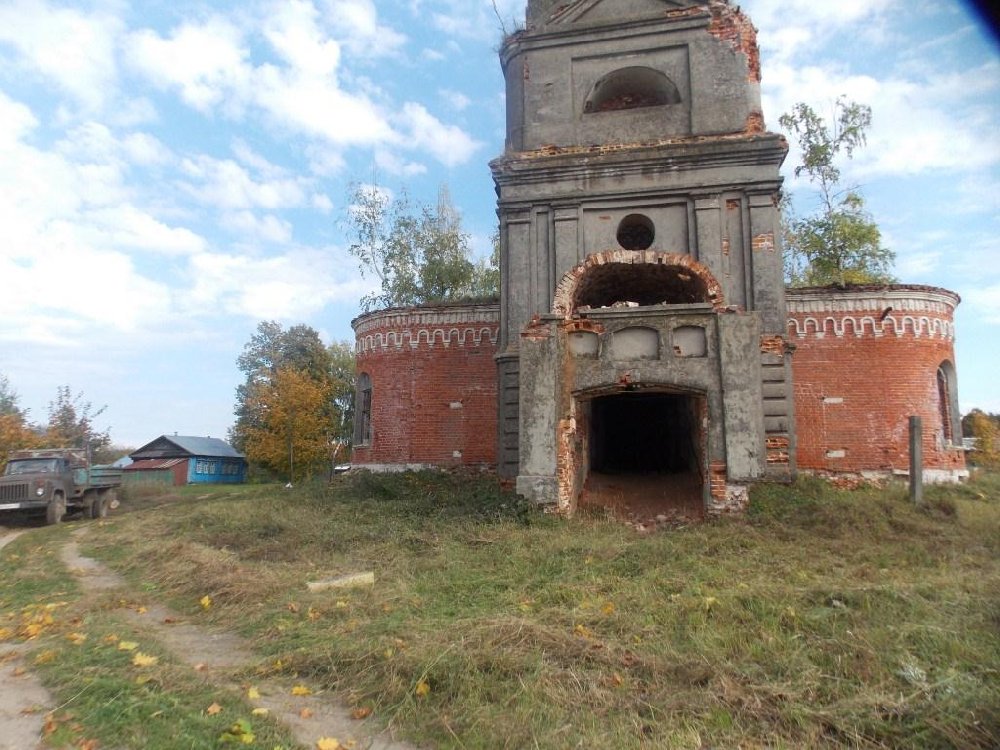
{"type": "Point", "coordinates": [631, 88]}
{"type": "Point", "coordinates": [642, 284]}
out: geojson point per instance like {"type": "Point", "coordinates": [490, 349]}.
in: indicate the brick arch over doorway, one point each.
{"type": "Point", "coordinates": [677, 273]}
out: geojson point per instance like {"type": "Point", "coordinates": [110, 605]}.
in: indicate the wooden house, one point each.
{"type": "Point", "coordinates": [178, 460]}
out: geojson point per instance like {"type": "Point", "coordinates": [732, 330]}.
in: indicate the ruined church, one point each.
{"type": "Point", "coordinates": [644, 350]}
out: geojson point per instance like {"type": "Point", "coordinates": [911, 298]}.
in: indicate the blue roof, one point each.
{"type": "Point", "coordinates": [204, 446]}
{"type": "Point", "coordinates": [172, 446]}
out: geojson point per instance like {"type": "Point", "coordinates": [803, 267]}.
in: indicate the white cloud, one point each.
{"type": "Point", "coordinates": [74, 49]}
{"type": "Point", "coordinates": [455, 99]}
{"type": "Point", "coordinates": [267, 228]}
{"type": "Point", "coordinates": [207, 62]}
{"type": "Point", "coordinates": [985, 301]}
{"type": "Point", "coordinates": [224, 184]}
{"type": "Point", "coordinates": [449, 144]}
{"type": "Point", "coordinates": [288, 287]}
{"type": "Point", "coordinates": [356, 21]}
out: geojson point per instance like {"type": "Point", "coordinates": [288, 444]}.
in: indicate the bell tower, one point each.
{"type": "Point", "coordinates": [642, 300]}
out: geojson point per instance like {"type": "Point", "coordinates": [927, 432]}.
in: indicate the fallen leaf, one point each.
{"type": "Point", "coordinates": [199, 667]}
{"type": "Point", "coordinates": [205, 601]}
{"type": "Point", "coordinates": [328, 743]}
{"type": "Point", "coordinates": [46, 656]}
{"type": "Point", "coordinates": [306, 713]}
{"type": "Point", "coordinates": [18, 671]}
{"type": "Point", "coordinates": [6, 634]}
{"type": "Point", "coordinates": [253, 694]}
{"type": "Point", "coordinates": [608, 609]}
{"type": "Point", "coordinates": [341, 604]}
{"type": "Point", "coordinates": [141, 610]}
{"type": "Point", "coordinates": [76, 638]}
{"type": "Point", "coordinates": [214, 709]}
{"type": "Point", "coordinates": [144, 660]}
{"type": "Point", "coordinates": [88, 745]}
{"type": "Point", "coordinates": [110, 638]}
{"type": "Point", "coordinates": [51, 725]}
{"type": "Point", "coordinates": [422, 689]}
{"type": "Point", "coordinates": [260, 712]}
{"type": "Point", "coordinates": [127, 645]}
{"type": "Point", "coordinates": [362, 712]}
{"type": "Point", "coordinates": [170, 620]}
{"type": "Point", "coordinates": [293, 607]}
{"type": "Point", "coordinates": [301, 690]}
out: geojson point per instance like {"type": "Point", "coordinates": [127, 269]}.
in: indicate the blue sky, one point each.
{"type": "Point", "coordinates": [173, 172]}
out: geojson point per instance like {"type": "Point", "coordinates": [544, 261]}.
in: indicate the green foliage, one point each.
{"type": "Point", "coordinates": [840, 244]}
{"type": "Point", "coordinates": [419, 255]}
{"type": "Point", "coordinates": [71, 423]}
{"type": "Point", "coordinates": [317, 388]}
{"type": "Point", "coordinates": [985, 428]}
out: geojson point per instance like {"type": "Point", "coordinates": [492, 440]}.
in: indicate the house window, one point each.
{"type": "Point", "coordinates": [363, 425]}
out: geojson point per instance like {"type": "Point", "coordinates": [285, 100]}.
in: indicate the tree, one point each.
{"type": "Point", "coordinates": [278, 365]}
{"type": "Point", "coordinates": [15, 430]}
{"type": "Point", "coordinates": [342, 381]}
{"type": "Point", "coordinates": [840, 244]}
{"type": "Point", "coordinates": [293, 433]}
{"type": "Point", "coordinates": [985, 428]}
{"type": "Point", "coordinates": [418, 256]}
{"type": "Point", "coordinates": [71, 423]}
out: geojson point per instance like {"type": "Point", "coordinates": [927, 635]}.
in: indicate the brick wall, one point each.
{"type": "Point", "coordinates": [866, 359]}
{"type": "Point", "coordinates": [433, 386]}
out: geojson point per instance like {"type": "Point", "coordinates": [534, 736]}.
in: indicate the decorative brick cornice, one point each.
{"type": "Point", "coordinates": [895, 310]}
{"type": "Point", "coordinates": [413, 327]}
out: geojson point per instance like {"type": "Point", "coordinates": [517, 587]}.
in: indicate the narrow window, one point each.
{"type": "Point", "coordinates": [363, 426]}
{"type": "Point", "coordinates": [947, 400]}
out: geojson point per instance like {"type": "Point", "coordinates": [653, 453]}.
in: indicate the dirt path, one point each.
{"type": "Point", "coordinates": [23, 700]}
{"type": "Point", "coordinates": [216, 656]}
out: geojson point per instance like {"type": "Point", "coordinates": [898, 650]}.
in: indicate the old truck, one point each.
{"type": "Point", "coordinates": [58, 480]}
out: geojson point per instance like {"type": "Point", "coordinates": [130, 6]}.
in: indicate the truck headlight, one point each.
{"type": "Point", "coordinates": [40, 491]}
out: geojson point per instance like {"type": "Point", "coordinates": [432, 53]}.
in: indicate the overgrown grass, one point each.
{"type": "Point", "coordinates": [823, 618]}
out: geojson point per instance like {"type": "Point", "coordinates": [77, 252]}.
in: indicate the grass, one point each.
{"type": "Point", "coordinates": [824, 618]}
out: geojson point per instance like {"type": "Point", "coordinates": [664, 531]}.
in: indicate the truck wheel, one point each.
{"type": "Point", "coordinates": [99, 508]}
{"type": "Point", "coordinates": [56, 510]}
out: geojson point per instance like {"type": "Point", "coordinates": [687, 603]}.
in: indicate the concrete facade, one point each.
{"type": "Point", "coordinates": [637, 173]}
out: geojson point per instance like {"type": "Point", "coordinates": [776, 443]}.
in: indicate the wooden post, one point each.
{"type": "Point", "coordinates": [916, 461]}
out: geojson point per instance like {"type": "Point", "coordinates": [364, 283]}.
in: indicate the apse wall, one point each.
{"type": "Point", "coordinates": [426, 387]}
{"type": "Point", "coordinates": [866, 359]}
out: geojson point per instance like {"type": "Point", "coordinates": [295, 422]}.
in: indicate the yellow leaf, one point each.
{"type": "Point", "coordinates": [247, 738]}
{"type": "Point", "coordinates": [144, 660]}
{"type": "Point", "coordinates": [422, 689]}
{"type": "Point", "coordinates": [110, 638]}
{"type": "Point", "coordinates": [608, 609]}
{"type": "Point", "coordinates": [259, 712]}
{"type": "Point", "coordinates": [141, 610]}
{"type": "Point", "coordinates": [341, 604]}
{"type": "Point", "coordinates": [6, 634]}
{"type": "Point", "coordinates": [709, 602]}
{"type": "Point", "coordinates": [305, 713]}
{"type": "Point", "coordinates": [205, 601]}
{"type": "Point", "coordinates": [328, 743]}
{"type": "Point", "coordinates": [582, 631]}
{"type": "Point", "coordinates": [127, 645]}
{"type": "Point", "coordinates": [77, 638]}
{"type": "Point", "coordinates": [45, 657]}
{"type": "Point", "coordinates": [214, 709]}
{"type": "Point", "coordinates": [313, 614]}
{"type": "Point", "coordinates": [301, 690]}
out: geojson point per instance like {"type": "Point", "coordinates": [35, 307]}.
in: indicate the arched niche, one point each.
{"type": "Point", "coordinates": [634, 87]}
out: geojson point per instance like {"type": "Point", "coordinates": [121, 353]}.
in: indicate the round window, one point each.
{"type": "Point", "coordinates": [636, 232]}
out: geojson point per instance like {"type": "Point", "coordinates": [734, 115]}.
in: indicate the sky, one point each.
{"type": "Point", "coordinates": [174, 172]}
